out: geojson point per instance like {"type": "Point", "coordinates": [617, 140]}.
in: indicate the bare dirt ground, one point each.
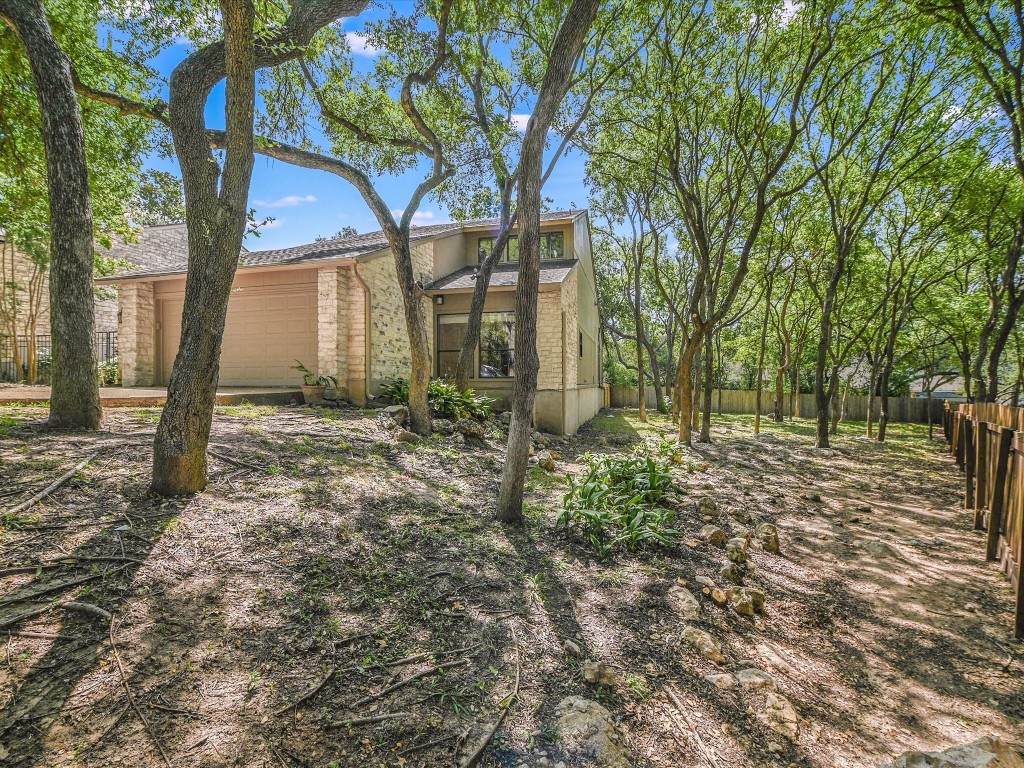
{"type": "Point", "coordinates": [336, 598]}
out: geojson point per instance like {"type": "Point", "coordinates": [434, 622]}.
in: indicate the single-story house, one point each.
{"type": "Point", "coordinates": [335, 305]}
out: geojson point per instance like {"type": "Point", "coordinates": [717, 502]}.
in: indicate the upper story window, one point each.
{"type": "Point", "coordinates": [552, 246]}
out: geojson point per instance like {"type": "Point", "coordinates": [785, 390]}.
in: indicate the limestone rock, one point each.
{"type": "Point", "coordinates": [443, 426]}
{"type": "Point", "coordinates": [405, 436]}
{"type": "Point", "coordinates": [598, 673]}
{"type": "Point", "coordinates": [713, 535]}
{"type": "Point", "coordinates": [988, 752]}
{"type": "Point", "coordinates": [746, 601]}
{"type": "Point", "coordinates": [704, 644]}
{"type": "Point", "coordinates": [546, 460]}
{"type": "Point", "coordinates": [768, 535]}
{"type": "Point", "coordinates": [732, 573]}
{"type": "Point", "coordinates": [572, 648]}
{"type": "Point", "coordinates": [754, 679]}
{"type": "Point", "coordinates": [505, 418]}
{"type": "Point", "coordinates": [741, 515]}
{"type": "Point", "coordinates": [718, 596]}
{"type": "Point", "coordinates": [773, 657]}
{"type": "Point", "coordinates": [780, 715]}
{"type": "Point", "coordinates": [723, 681]}
{"type": "Point", "coordinates": [397, 415]}
{"type": "Point", "coordinates": [736, 550]}
{"type": "Point", "coordinates": [586, 727]}
{"type": "Point", "coordinates": [472, 430]}
{"type": "Point", "coordinates": [688, 605]}
{"type": "Point", "coordinates": [707, 506]}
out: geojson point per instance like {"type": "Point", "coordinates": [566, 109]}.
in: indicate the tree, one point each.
{"type": "Point", "coordinates": [565, 51]}
{"type": "Point", "coordinates": [160, 200]}
{"type": "Point", "coordinates": [74, 394]}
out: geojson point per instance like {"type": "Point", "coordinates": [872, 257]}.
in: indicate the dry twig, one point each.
{"type": "Point", "coordinates": [52, 486]}
{"type": "Point", "coordinates": [131, 698]}
{"type": "Point", "coordinates": [702, 747]}
{"type": "Point", "coordinates": [411, 678]}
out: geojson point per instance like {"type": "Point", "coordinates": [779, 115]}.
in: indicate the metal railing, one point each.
{"type": "Point", "coordinates": [104, 344]}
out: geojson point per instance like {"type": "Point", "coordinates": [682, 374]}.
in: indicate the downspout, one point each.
{"type": "Point", "coordinates": [367, 338]}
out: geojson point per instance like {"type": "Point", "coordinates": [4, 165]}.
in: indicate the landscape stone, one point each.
{"type": "Point", "coordinates": [405, 436]}
{"type": "Point", "coordinates": [768, 535]}
{"type": "Point", "coordinates": [987, 752]}
{"type": "Point", "coordinates": [598, 673]}
{"type": "Point", "coordinates": [472, 430]}
{"type": "Point", "coordinates": [732, 573]}
{"type": "Point", "coordinates": [754, 679]}
{"type": "Point", "coordinates": [704, 644]}
{"type": "Point", "coordinates": [586, 727]}
{"type": "Point", "coordinates": [688, 605]}
{"type": "Point", "coordinates": [780, 715]}
{"type": "Point", "coordinates": [736, 550]}
{"type": "Point", "coordinates": [707, 506]}
{"type": "Point", "coordinates": [714, 535]}
{"type": "Point", "coordinates": [443, 426]}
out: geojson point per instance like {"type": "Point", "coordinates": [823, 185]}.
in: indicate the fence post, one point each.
{"type": "Point", "coordinates": [981, 476]}
{"type": "Point", "coordinates": [969, 464]}
{"type": "Point", "coordinates": [995, 514]}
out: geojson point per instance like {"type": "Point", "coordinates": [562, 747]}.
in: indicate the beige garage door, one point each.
{"type": "Point", "coordinates": [267, 330]}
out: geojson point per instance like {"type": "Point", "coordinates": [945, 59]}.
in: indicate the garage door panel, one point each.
{"type": "Point", "coordinates": [264, 334]}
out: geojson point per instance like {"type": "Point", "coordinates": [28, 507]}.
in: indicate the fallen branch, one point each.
{"type": "Point", "coordinates": [236, 462]}
{"type": "Point", "coordinates": [412, 678]}
{"type": "Point", "coordinates": [42, 635]}
{"type": "Point", "coordinates": [481, 746]}
{"type": "Point", "coordinates": [355, 722]}
{"type": "Point", "coordinates": [426, 745]}
{"type": "Point", "coordinates": [52, 486]}
{"type": "Point", "coordinates": [131, 698]}
{"type": "Point", "coordinates": [51, 588]}
{"type": "Point", "coordinates": [88, 609]}
{"type": "Point", "coordinates": [22, 569]}
{"type": "Point", "coordinates": [702, 748]}
{"type": "Point", "coordinates": [308, 694]}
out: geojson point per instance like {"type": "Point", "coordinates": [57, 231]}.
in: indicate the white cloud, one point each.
{"type": "Point", "coordinates": [420, 218]}
{"type": "Point", "coordinates": [288, 201]}
{"type": "Point", "coordinates": [519, 122]}
{"type": "Point", "coordinates": [360, 45]}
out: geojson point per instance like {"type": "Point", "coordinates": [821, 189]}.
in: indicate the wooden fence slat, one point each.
{"type": "Point", "coordinates": [981, 497]}
{"type": "Point", "coordinates": [999, 492]}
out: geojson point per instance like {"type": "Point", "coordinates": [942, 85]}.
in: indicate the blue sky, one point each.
{"type": "Point", "coordinates": [307, 203]}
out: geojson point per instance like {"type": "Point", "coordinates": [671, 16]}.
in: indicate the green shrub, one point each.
{"type": "Point", "coordinates": [620, 502]}
{"type": "Point", "coordinates": [109, 372]}
{"type": "Point", "coordinates": [445, 399]}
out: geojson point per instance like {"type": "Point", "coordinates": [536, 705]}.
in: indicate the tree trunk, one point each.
{"type": "Point", "coordinates": [564, 53]}
{"type": "Point", "coordinates": [760, 363]}
{"type": "Point", "coordinates": [684, 393]}
{"type": "Point", "coordinates": [695, 405]}
{"type": "Point", "coordinates": [822, 395]}
{"type": "Point", "coordinates": [74, 389]}
{"type": "Point", "coordinates": [216, 222]}
{"type": "Point", "coordinates": [709, 370]}
{"type": "Point", "coordinates": [419, 344]}
{"type": "Point", "coordinates": [872, 383]}
{"type": "Point", "coordinates": [883, 396]}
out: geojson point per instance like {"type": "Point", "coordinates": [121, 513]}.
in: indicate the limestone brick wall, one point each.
{"type": "Point", "coordinates": [389, 341]}
{"type": "Point", "coordinates": [106, 308]}
{"type": "Point", "coordinates": [356, 342]}
{"type": "Point", "coordinates": [137, 334]}
{"type": "Point", "coordinates": [570, 306]}
{"type": "Point", "coordinates": [549, 339]}
{"type": "Point", "coordinates": [333, 324]}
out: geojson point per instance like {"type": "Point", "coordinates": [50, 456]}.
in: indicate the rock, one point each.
{"type": "Point", "coordinates": [443, 426]}
{"type": "Point", "coordinates": [718, 596]}
{"type": "Point", "coordinates": [988, 752]}
{"type": "Point", "coordinates": [732, 573]}
{"type": "Point", "coordinates": [704, 581]}
{"type": "Point", "coordinates": [746, 601]}
{"type": "Point", "coordinates": [572, 649]}
{"type": "Point", "coordinates": [471, 430]}
{"type": "Point", "coordinates": [741, 515]}
{"type": "Point", "coordinates": [780, 715]}
{"type": "Point", "coordinates": [754, 679]}
{"type": "Point", "coordinates": [537, 437]}
{"type": "Point", "coordinates": [586, 727]}
{"type": "Point", "coordinates": [405, 436]}
{"type": "Point", "coordinates": [599, 674]}
{"type": "Point", "coordinates": [736, 550]}
{"type": "Point", "coordinates": [713, 535]}
{"type": "Point", "coordinates": [505, 418]}
{"type": "Point", "coordinates": [723, 681]}
{"type": "Point", "coordinates": [688, 605]}
{"type": "Point", "coordinates": [772, 656]}
{"type": "Point", "coordinates": [546, 460]}
{"type": "Point", "coordinates": [707, 506]}
{"type": "Point", "coordinates": [768, 535]}
{"type": "Point", "coordinates": [397, 415]}
{"type": "Point", "coordinates": [704, 644]}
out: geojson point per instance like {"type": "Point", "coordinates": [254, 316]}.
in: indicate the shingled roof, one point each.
{"type": "Point", "coordinates": [504, 276]}
{"type": "Point", "coordinates": [163, 250]}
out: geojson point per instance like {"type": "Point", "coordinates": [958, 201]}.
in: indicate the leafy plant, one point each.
{"type": "Point", "coordinates": [444, 397]}
{"type": "Point", "coordinates": [109, 372]}
{"type": "Point", "coordinates": [311, 379]}
{"type": "Point", "coordinates": [618, 503]}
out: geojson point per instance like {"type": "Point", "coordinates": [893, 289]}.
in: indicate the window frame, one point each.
{"type": "Point", "coordinates": [545, 247]}
{"type": "Point", "coordinates": [477, 353]}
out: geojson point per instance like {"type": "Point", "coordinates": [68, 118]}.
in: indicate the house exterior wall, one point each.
{"type": "Point", "coordinates": [333, 324]}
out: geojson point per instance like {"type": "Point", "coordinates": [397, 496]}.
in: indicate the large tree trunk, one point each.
{"type": "Point", "coordinates": [684, 392]}
{"type": "Point", "coordinates": [564, 53]}
{"type": "Point", "coordinates": [823, 395]}
{"type": "Point", "coordinates": [419, 345]}
{"type": "Point", "coordinates": [216, 222]}
{"type": "Point", "coordinates": [74, 393]}
{"type": "Point", "coordinates": [883, 396]}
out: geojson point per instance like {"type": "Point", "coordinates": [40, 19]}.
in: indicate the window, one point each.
{"type": "Point", "coordinates": [451, 329]}
{"type": "Point", "coordinates": [497, 345]}
{"type": "Point", "coordinates": [496, 350]}
{"type": "Point", "coordinates": [552, 246]}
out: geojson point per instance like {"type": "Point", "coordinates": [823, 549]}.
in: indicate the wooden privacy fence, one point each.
{"type": "Point", "coordinates": [907, 409]}
{"type": "Point", "coordinates": [987, 440]}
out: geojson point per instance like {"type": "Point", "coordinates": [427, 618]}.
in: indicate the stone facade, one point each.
{"type": "Point", "coordinates": [137, 334]}
{"type": "Point", "coordinates": [549, 339]}
{"type": "Point", "coordinates": [333, 324]}
{"type": "Point", "coordinates": [570, 311]}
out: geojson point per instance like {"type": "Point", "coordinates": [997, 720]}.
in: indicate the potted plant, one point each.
{"type": "Point", "coordinates": [314, 385]}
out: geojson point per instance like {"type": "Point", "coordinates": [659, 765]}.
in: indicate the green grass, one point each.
{"type": "Point", "coordinates": [246, 410]}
